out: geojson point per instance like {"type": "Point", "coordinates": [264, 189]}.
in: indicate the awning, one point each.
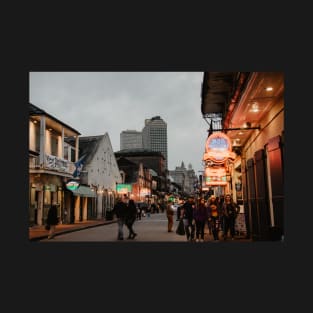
{"type": "Point", "coordinates": [84, 191]}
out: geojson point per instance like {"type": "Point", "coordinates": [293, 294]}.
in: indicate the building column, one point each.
{"type": "Point", "coordinates": [42, 140]}
{"type": "Point", "coordinates": [40, 207]}
{"type": "Point", "coordinates": [84, 207]}
{"type": "Point", "coordinates": [77, 209]}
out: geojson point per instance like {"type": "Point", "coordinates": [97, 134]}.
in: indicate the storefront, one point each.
{"type": "Point", "coordinates": [249, 108]}
{"type": "Point", "coordinates": [44, 191]}
{"type": "Point", "coordinates": [82, 202]}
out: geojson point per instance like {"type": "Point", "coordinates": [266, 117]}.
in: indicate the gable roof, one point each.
{"type": "Point", "coordinates": [88, 146]}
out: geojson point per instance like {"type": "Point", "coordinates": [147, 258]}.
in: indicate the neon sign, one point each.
{"type": "Point", "coordinates": [72, 185]}
{"type": "Point", "coordinates": [123, 188]}
{"type": "Point", "coordinates": [215, 176]}
{"type": "Point", "coordinates": [218, 148]}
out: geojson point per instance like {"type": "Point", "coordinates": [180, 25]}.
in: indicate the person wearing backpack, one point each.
{"type": "Point", "coordinates": [230, 211]}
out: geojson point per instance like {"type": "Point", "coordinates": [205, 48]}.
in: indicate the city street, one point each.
{"type": "Point", "coordinates": [149, 229]}
{"type": "Point", "coordinates": [153, 228]}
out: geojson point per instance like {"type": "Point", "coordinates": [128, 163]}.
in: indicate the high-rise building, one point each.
{"type": "Point", "coordinates": [130, 139]}
{"type": "Point", "coordinates": [154, 136]}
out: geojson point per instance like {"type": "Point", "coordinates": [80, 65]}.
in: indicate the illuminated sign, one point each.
{"type": "Point", "coordinates": [144, 192]}
{"type": "Point", "coordinates": [123, 188]}
{"type": "Point", "coordinates": [72, 185]}
{"type": "Point", "coordinates": [218, 148]}
{"type": "Point", "coordinates": [215, 176]}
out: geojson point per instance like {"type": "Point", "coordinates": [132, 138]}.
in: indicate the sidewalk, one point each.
{"type": "Point", "coordinates": [38, 232]}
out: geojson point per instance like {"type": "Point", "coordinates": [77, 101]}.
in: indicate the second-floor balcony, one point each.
{"type": "Point", "coordinates": [51, 163]}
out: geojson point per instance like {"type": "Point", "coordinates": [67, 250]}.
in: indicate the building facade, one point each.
{"type": "Point", "coordinates": [130, 139]}
{"type": "Point", "coordinates": [151, 160]}
{"type": "Point", "coordinates": [154, 136]}
{"type": "Point", "coordinates": [138, 177]}
{"type": "Point", "coordinates": [51, 164]}
{"type": "Point", "coordinates": [250, 108]}
{"type": "Point", "coordinates": [101, 173]}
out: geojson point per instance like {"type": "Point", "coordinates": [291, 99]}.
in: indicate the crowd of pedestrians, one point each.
{"type": "Point", "coordinates": [218, 213]}
{"type": "Point", "coordinates": [125, 210]}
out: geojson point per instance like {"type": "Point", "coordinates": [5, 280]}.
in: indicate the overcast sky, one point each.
{"type": "Point", "coordinates": [94, 103]}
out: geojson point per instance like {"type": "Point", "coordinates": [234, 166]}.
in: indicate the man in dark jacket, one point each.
{"type": "Point", "coordinates": [131, 217]}
{"type": "Point", "coordinates": [120, 210]}
{"type": "Point", "coordinates": [52, 220]}
{"type": "Point", "coordinates": [186, 212]}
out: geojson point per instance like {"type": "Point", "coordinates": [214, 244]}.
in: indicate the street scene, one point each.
{"type": "Point", "coordinates": [149, 229]}
{"type": "Point", "coordinates": [130, 156]}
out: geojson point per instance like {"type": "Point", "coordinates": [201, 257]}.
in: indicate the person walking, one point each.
{"type": "Point", "coordinates": [213, 216]}
{"type": "Point", "coordinates": [187, 216]}
{"type": "Point", "coordinates": [230, 211]}
{"type": "Point", "coordinates": [131, 217]}
{"type": "Point", "coordinates": [120, 210]}
{"type": "Point", "coordinates": [200, 214]}
{"type": "Point", "coordinates": [170, 215]}
{"type": "Point", "coordinates": [52, 220]}
{"type": "Point", "coordinates": [220, 201]}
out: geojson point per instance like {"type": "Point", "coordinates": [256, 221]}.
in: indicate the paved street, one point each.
{"type": "Point", "coordinates": [153, 228]}
{"type": "Point", "coordinates": [149, 229]}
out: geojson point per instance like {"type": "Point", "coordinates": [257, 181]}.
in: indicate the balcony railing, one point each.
{"type": "Point", "coordinates": [52, 163]}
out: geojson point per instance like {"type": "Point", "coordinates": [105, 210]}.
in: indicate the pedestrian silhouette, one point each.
{"type": "Point", "coordinates": [131, 217]}
{"type": "Point", "coordinates": [120, 210]}
{"type": "Point", "coordinates": [52, 220]}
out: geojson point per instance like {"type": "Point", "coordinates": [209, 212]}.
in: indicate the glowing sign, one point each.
{"type": "Point", "coordinates": [218, 148]}
{"type": "Point", "coordinates": [123, 188]}
{"type": "Point", "coordinates": [144, 192]}
{"type": "Point", "coordinates": [72, 185]}
{"type": "Point", "coordinates": [215, 176]}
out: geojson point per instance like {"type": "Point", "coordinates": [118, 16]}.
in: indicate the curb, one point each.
{"type": "Point", "coordinates": [70, 230]}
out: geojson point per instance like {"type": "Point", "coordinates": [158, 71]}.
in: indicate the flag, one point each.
{"type": "Point", "coordinates": [79, 166]}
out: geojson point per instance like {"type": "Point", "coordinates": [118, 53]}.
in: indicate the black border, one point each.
{"type": "Point", "coordinates": [254, 271]}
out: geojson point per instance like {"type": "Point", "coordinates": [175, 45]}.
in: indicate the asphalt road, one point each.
{"type": "Point", "coordinates": [149, 229]}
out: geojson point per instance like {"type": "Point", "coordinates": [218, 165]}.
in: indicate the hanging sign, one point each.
{"type": "Point", "coordinates": [215, 176]}
{"type": "Point", "coordinates": [123, 188]}
{"type": "Point", "coordinates": [218, 148]}
{"type": "Point", "coordinates": [72, 185]}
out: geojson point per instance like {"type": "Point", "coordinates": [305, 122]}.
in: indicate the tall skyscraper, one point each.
{"type": "Point", "coordinates": [154, 136]}
{"type": "Point", "coordinates": [130, 139]}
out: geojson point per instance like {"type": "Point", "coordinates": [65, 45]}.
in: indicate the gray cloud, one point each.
{"type": "Point", "coordinates": [97, 102]}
